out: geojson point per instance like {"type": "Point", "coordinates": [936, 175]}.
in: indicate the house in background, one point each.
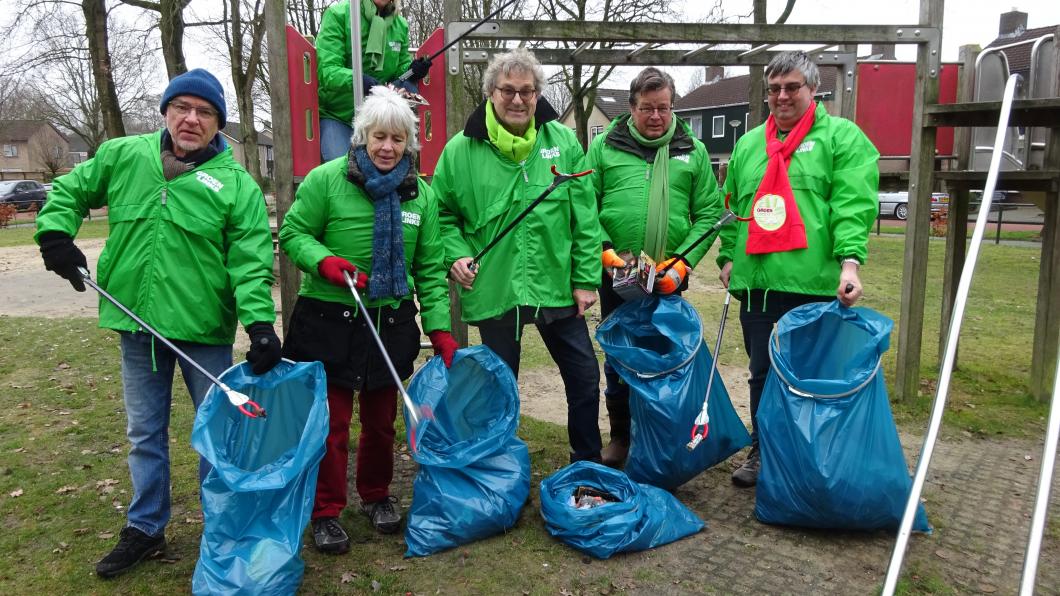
{"type": "Point", "coordinates": [32, 149]}
{"type": "Point", "coordinates": [610, 103]}
{"type": "Point", "coordinates": [265, 155]}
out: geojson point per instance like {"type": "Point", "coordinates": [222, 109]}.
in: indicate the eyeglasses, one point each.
{"type": "Point", "coordinates": [509, 94]}
{"type": "Point", "coordinates": [789, 88]}
{"type": "Point", "coordinates": [184, 109]}
{"type": "Point", "coordinates": [648, 111]}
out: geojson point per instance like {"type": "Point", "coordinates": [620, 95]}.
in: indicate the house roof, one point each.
{"type": "Point", "coordinates": [22, 130]}
{"type": "Point", "coordinates": [733, 91]}
{"type": "Point", "coordinates": [231, 129]}
{"type": "Point", "coordinates": [612, 102]}
{"type": "Point", "coordinates": [1019, 57]}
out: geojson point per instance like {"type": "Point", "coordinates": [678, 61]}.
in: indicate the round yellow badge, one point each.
{"type": "Point", "coordinates": [769, 212]}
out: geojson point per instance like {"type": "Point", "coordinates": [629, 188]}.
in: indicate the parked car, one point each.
{"type": "Point", "coordinates": [896, 204]}
{"type": "Point", "coordinates": [25, 195]}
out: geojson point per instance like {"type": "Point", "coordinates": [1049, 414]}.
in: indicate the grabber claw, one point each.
{"type": "Point", "coordinates": [255, 410]}
{"type": "Point", "coordinates": [702, 422]}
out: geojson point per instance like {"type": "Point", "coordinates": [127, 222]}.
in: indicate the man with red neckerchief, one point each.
{"type": "Point", "coordinates": [804, 185]}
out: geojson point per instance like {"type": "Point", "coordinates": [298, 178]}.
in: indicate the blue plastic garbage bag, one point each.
{"type": "Point", "coordinates": [831, 457]}
{"type": "Point", "coordinates": [258, 497]}
{"type": "Point", "coordinates": [474, 473]}
{"type": "Point", "coordinates": [643, 516]}
{"type": "Point", "coordinates": [656, 345]}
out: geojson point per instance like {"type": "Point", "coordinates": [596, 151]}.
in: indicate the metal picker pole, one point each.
{"type": "Point", "coordinates": [1041, 501]}
{"type": "Point", "coordinates": [356, 61]}
{"type": "Point", "coordinates": [946, 372]}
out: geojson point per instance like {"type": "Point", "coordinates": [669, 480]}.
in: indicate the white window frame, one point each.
{"type": "Point", "coordinates": [746, 121]}
{"type": "Point", "coordinates": [10, 150]}
{"type": "Point", "coordinates": [595, 130]}
{"type": "Point", "coordinates": [715, 133]}
{"type": "Point", "coordinates": [696, 124]}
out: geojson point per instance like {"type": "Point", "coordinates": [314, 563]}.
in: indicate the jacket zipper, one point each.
{"type": "Point", "coordinates": [522, 166]}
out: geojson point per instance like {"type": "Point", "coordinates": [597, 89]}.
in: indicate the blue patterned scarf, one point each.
{"type": "Point", "coordinates": [388, 238]}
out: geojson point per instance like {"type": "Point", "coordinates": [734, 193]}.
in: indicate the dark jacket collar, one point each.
{"type": "Point", "coordinates": [408, 189]}
{"type": "Point", "coordinates": [214, 148]}
{"type": "Point", "coordinates": [620, 138]}
{"type": "Point", "coordinates": [476, 123]}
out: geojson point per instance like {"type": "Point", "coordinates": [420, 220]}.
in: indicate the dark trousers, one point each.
{"type": "Point", "coordinates": [377, 411]}
{"type": "Point", "coordinates": [759, 312]}
{"type": "Point", "coordinates": [567, 340]}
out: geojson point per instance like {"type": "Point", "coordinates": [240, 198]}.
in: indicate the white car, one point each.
{"type": "Point", "coordinates": [896, 204]}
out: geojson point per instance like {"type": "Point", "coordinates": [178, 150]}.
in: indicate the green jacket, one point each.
{"type": "Point", "coordinates": [333, 216]}
{"type": "Point", "coordinates": [553, 251]}
{"type": "Point", "coordinates": [621, 179]}
{"type": "Point", "coordinates": [333, 59]}
{"type": "Point", "coordinates": [835, 179]}
{"type": "Point", "coordinates": [188, 255]}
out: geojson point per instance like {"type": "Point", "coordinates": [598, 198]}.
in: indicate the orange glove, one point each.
{"type": "Point", "coordinates": [611, 259]}
{"type": "Point", "coordinates": [668, 284]}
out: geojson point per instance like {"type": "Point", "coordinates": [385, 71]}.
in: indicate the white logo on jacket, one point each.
{"type": "Point", "coordinates": [209, 181]}
{"type": "Point", "coordinates": [685, 158]}
{"type": "Point", "coordinates": [550, 153]}
{"type": "Point", "coordinates": [412, 219]}
{"type": "Point", "coordinates": [805, 147]}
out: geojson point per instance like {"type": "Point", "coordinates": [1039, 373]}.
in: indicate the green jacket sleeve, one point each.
{"type": "Point", "coordinates": [73, 194]}
{"type": "Point", "coordinates": [595, 182]}
{"type": "Point", "coordinates": [429, 269]}
{"type": "Point", "coordinates": [854, 202]}
{"type": "Point", "coordinates": [305, 222]}
{"type": "Point", "coordinates": [450, 220]}
{"type": "Point", "coordinates": [705, 209]}
{"type": "Point", "coordinates": [585, 225]}
{"type": "Point", "coordinates": [729, 232]}
{"type": "Point", "coordinates": [405, 57]}
{"type": "Point", "coordinates": [248, 254]}
{"type": "Point", "coordinates": [334, 74]}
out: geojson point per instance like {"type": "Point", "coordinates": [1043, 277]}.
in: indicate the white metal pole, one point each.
{"type": "Point", "coordinates": [946, 372]}
{"type": "Point", "coordinates": [1041, 502]}
{"type": "Point", "coordinates": [356, 63]}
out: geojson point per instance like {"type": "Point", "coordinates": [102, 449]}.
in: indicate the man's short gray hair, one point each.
{"type": "Point", "coordinates": [786, 62]}
{"type": "Point", "coordinates": [517, 60]}
{"type": "Point", "coordinates": [385, 109]}
{"type": "Point", "coordinates": [651, 79]}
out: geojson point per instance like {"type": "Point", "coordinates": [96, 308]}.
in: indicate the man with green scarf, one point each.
{"type": "Point", "coordinates": [385, 57]}
{"type": "Point", "coordinates": [656, 193]}
{"type": "Point", "coordinates": [546, 270]}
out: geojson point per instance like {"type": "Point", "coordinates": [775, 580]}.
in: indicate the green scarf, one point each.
{"type": "Point", "coordinates": [658, 192]}
{"type": "Point", "coordinates": [511, 146]}
{"type": "Point", "coordinates": [376, 44]}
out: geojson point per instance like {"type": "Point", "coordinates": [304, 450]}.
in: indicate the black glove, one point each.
{"type": "Point", "coordinates": [368, 82]}
{"type": "Point", "coordinates": [419, 67]}
{"type": "Point", "coordinates": [264, 348]}
{"type": "Point", "coordinates": [63, 257]}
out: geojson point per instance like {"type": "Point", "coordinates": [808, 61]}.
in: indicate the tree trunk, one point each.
{"type": "Point", "coordinates": [243, 79]}
{"type": "Point", "coordinates": [95, 12]}
{"type": "Point", "coordinates": [171, 27]}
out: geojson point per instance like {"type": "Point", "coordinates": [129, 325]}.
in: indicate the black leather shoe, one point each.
{"type": "Point", "coordinates": [133, 546]}
{"type": "Point", "coordinates": [329, 536]}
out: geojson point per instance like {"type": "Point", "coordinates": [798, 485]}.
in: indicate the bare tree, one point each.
{"type": "Point", "coordinates": [95, 13]}
{"type": "Point", "coordinates": [424, 16]}
{"type": "Point", "coordinates": [50, 154]}
{"type": "Point", "coordinates": [171, 29]}
{"type": "Point", "coordinates": [304, 15]}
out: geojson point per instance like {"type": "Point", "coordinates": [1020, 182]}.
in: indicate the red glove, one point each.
{"type": "Point", "coordinates": [611, 259]}
{"type": "Point", "coordinates": [444, 345]}
{"type": "Point", "coordinates": [668, 284]}
{"type": "Point", "coordinates": [331, 269]}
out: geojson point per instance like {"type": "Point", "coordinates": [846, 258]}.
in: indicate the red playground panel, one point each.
{"type": "Point", "coordinates": [302, 92]}
{"type": "Point", "coordinates": [432, 116]}
{"type": "Point", "coordinates": [885, 105]}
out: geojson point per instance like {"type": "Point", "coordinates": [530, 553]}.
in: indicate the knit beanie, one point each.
{"type": "Point", "coordinates": [201, 84]}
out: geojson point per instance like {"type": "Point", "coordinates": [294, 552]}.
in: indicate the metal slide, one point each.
{"type": "Point", "coordinates": [946, 372]}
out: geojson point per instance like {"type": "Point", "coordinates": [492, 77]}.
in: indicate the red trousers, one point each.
{"type": "Point", "coordinates": [375, 449]}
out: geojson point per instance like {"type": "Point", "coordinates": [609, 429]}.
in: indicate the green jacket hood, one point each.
{"type": "Point", "coordinates": [619, 137]}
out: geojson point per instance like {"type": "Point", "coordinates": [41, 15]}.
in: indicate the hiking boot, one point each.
{"type": "Point", "coordinates": [746, 475]}
{"type": "Point", "coordinates": [616, 452]}
{"type": "Point", "coordinates": [329, 536]}
{"type": "Point", "coordinates": [133, 546]}
{"type": "Point", "coordinates": [384, 515]}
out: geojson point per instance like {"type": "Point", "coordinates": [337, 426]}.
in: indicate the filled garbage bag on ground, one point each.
{"type": "Point", "coordinates": [474, 474]}
{"type": "Point", "coordinates": [656, 345]}
{"type": "Point", "coordinates": [600, 511]}
{"type": "Point", "coordinates": [258, 497]}
{"type": "Point", "coordinates": [831, 457]}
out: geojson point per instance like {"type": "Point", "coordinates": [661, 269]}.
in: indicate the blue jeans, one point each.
{"type": "Point", "coordinates": [334, 139]}
{"type": "Point", "coordinates": [148, 394]}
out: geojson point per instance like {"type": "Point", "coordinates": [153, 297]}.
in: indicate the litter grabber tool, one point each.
{"type": "Point", "coordinates": [237, 399]}
{"type": "Point", "coordinates": [414, 412]}
{"type": "Point", "coordinates": [726, 217]}
{"type": "Point", "coordinates": [701, 426]}
{"type": "Point", "coordinates": [408, 73]}
{"type": "Point", "coordinates": [560, 178]}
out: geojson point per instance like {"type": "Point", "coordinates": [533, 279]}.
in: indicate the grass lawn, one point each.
{"type": "Point", "coordinates": [64, 483]}
{"type": "Point", "coordinates": [23, 234]}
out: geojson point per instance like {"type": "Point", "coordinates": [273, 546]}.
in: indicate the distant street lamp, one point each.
{"type": "Point", "coordinates": [734, 123]}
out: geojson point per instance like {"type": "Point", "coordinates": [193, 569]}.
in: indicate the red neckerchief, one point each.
{"type": "Point", "coordinates": [775, 224]}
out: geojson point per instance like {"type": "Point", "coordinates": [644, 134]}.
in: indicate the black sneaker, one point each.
{"type": "Point", "coordinates": [384, 515]}
{"type": "Point", "coordinates": [133, 546]}
{"type": "Point", "coordinates": [329, 536]}
{"type": "Point", "coordinates": [746, 475]}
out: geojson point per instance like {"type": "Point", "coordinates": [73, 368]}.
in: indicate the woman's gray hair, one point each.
{"type": "Point", "coordinates": [651, 79]}
{"type": "Point", "coordinates": [786, 62]}
{"type": "Point", "coordinates": [517, 60]}
{"type": "Point", "coordinates": [385, 109]}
